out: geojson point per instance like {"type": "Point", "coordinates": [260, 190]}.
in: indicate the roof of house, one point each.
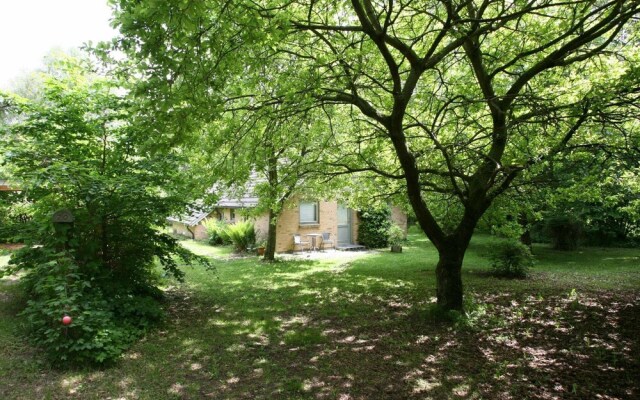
{"type": "Point", "coordinates": [239, 196]}
{"type": "Point", "coordinates": [199, 212]}
{"type": "Point", "coordinates": [242, 202]}
{"type": "Point", "coordinates": [191, 219]}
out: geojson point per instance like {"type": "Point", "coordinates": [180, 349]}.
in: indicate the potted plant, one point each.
{"type": "Point", "coordinates": [260, 246]}
{"type": "Point", "coordinates": [395, 236]}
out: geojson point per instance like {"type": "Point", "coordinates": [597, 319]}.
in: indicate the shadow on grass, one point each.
{"type": "Point", "coordinates": [362, 330]}
{"type": "Point", "coordinates": [302, 330]}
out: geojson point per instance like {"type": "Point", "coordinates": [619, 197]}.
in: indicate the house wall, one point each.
{"type": "Point", "coordinates": [355, 223]}
{"type": "Point", "coordinates": [289, 224]}
{"type": "Point", "coordinates": [261, 225]}
{"type": "Point", "coordinates": [399, 217]}
{"type": "Point", "coordinates": [180, 228]}
{"type": "Point", "coordinates": [238, 214]}
{"type": "Point", "coordinates": [201, 232]}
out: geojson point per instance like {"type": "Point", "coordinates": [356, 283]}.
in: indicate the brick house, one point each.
{"type": "Point", "coordinates": [299, 216]}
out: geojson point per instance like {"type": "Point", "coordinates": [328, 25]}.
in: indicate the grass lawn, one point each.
{"type": "Point", "coordinates": [364, 330]}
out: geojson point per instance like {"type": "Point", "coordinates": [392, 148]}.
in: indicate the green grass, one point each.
{"type": "Point", "coordinates": [365, 329]}
{"type": "Point", "coordinates": [204, 249]}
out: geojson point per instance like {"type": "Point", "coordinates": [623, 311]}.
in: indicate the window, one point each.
{"type": "Point", "coordinates": [309, 213]}
{"type": "Point", "coordinates": [232, 215]}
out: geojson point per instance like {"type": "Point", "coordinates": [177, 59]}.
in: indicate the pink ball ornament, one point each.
{"type": "Point", "coordinates": [66, 320]}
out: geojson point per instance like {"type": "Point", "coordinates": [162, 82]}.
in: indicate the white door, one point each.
{"type": "Point", "coordinates": [344, 225]}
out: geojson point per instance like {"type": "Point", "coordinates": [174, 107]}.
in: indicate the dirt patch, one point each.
{"type": "Point", "coordinates": [11, 246]}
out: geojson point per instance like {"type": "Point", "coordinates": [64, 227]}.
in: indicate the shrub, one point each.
{"type": "Point", "coordinates": [395, 235]}
{"type": "Point", "coordinates": [242, 235]}
{"type": "Point", "coordinates": [217, 232]}
{"type": "Point", "coordinates": [373, 229]}
{"type": "Point", "coordinates": [510, 259]}
{"type": "Point", "coordinates": [104, 322]}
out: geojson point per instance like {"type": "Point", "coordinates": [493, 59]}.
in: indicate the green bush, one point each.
{"type": "Point", "coordinates": [510, 259]}
{"type": "Point", "coordinates": [395, 235]}
{"type": "Point", "coordinates": [217, 232]}
{"type": "Point", "coordinates": [103, 325]}
{"type": "Point", "coordinates": [242, 235]}
{"type": "Point", "coordinates": [373, 229]}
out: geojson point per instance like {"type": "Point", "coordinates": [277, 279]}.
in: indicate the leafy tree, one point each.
{"type": "Point", "coordinates": [580, 196]}
{"type": "Point", "coordinates": [456, 99]}
{"type": "Point", "coordinates": [600, 194]}
{"type": "Point", "coordinates": [76, 149]}
{"type": "Point", "coordinates": [264, 152]}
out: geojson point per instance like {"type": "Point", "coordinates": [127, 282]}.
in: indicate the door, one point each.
{"type": "Point", "coordinates": [344, 225]}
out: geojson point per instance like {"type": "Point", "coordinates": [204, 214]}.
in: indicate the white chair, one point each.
{"type": "Point", "coordinates": [297, 241]}
{"type": "Point", "coordinates": [326, 239]}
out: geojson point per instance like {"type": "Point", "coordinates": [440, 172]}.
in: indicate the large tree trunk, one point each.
{"type": "Point", "coordinates": [449, 278]}
{"type": "Point", "coordinates": [270, 251]}
{"type": "Point", "coordinates": [451, 253]}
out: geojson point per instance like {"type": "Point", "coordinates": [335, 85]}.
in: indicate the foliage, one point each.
{"type": "Point", "coordinates": [102, 326]}
{"type": "Point", "coordinates": [395, 235]}
{"type": "Point", "coordinates": [373, 228]}
{"type": "Point", "coordinates": [78, 149]}
{"type": "Point", "coordinates": [15, 215]}
{"type": "Point", "coordinates": [510, 259]}
{"type": "Point", "coordinates": [217, 231]}
{"type": "Point", "coordinates": [599, 191]}
{"type": "Point", "coordinates": [564, 231]}
{"type": "Point", "coordinates": [606, 207]}
{"type": "Point", "coordinates": [242, 234]}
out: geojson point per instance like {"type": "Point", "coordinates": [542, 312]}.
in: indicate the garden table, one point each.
{"type": "Point", "coordinates": [314, 240]}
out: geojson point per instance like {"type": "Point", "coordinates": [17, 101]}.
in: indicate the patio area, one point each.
{"type": "Point", "coordinates": [329, 254]}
